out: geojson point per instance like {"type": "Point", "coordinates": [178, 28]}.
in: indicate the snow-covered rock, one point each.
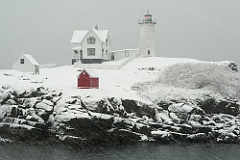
{"type": "Point", "coordinates": [165, 118]}
{"type": "Point", "coordinates": [44, 106]}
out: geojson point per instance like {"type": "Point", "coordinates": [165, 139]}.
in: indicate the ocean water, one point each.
{"type": "Point", "coordinates": [139, 151]}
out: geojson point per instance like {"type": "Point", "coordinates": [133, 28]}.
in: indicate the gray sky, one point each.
{"type": "Point", "coordinates": [201, 29]}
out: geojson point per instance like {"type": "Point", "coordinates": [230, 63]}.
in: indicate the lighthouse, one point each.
{"type": "Point", "coordinates": [147, 35]}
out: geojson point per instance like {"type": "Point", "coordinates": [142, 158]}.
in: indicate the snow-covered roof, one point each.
{"type": "Point", "coordinates": [31, 59]}
{"type": "Point", "coordinates": [91, 73]}
{"type": "Point", "coordinates": [78, 36]}
{"type": "Point", "coordinates": [102, 34]}
{"type": "Point", "coordinates": [77, 48]}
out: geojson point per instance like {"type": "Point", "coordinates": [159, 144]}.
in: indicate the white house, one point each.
{"type": "Point", "coordinates": [92, 46]}
{"type": "Point", "coordinates": [26, 63]}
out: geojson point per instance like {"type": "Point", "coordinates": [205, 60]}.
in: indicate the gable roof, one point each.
{"type": "Point", "coordinates": [78, 36]}
{"type": "Point", "coordinates": [102, 34]}
{"type": "Point", "coordinates": [31, 59]}
{"type": "Point", "coordinates": [91, 73]}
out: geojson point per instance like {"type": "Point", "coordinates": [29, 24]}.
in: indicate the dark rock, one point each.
{"type": "Point", "coordinates": [186, 129]}
{"type": "Point", "coordinates": [40, 91]}
{"type": "Point", "coordinates": [14, 111]}
{"type": "Point", "coordinates": [55, 100]}
{"type": "Point", "coordinates": [117, 106]}
{"type": "Point", "coordinates": [31, 102]}
{"type": "Point", "coordinates": [72, 101]}
{"type": "Point", "coordinates": [4, 97]}
{"type": "Point", "coordinates": [141, 109]}
{"type": "Point", "coordinates": [155, 124]}
{"type": "Point", "coordinates": [123, 124]}
{"type": "Point", "coordinates": [227, 138]}
{"type": "Point", "coordinates": [43, 114]}
{"type": "Point", "coordinates": [202, 129]}
{"type": "Point", "coordinates": [103, 106]}
{"type": "Point", "coordinates": [23, 133]}
{"type": "Point", "coordinates": [228, 107]}
{"type": "Point", "coordinates": [10, 102]}
{"type": "Point", "coordinates": [163, 136]}
{"type": "Point", "coordinates": [48, 97]}
{"type": "Point", "coordinates": [211, 106]}
{"type": "Point", "coordinates": [19, 93]}
{"type": "Point", "coordinates": [84, 127]}
{"type": "Point", "coordinates": [179, 137]}
{"type": "Point", "coordinates": [143, 129]}
{"type": "Point", "coordinates": [233, 66]}
{"type": "Point", "coordinates": [164, 105]}
{"type": "Point", "coordinates": [5, 87]}
{"type": "Point", "coordinates": [199, 137]}
{"type": "Point", "coordinates": [124, 136]}
{"type": "Point", "coordinates": [44, 106]}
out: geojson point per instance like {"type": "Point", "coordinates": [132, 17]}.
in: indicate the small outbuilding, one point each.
{"type": "Point", "coordinates": [88, 79]}
{"type": "Point", "coordinates": [26, 63]}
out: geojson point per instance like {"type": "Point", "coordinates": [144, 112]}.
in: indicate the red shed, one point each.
{"type": "Point", "coordinates": [88, 79]}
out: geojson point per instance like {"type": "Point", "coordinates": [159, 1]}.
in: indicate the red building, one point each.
{"type": "Point", "coordinates": [88, 79]}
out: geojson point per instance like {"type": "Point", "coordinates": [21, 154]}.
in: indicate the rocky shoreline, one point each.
{"type": "Point", "coordinates": [47, 116]}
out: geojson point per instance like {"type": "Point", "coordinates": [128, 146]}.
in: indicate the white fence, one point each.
{"type": "Point", "coordinates": [51, 65]}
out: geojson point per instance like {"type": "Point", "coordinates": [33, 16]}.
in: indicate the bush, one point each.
{"type": "Point", "coordinates": [218, 78]}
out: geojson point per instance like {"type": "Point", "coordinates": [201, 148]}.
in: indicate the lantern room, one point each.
{"type": "Point", "coordinates": [148, 17]}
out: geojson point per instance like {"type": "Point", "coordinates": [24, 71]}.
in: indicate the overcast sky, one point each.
{"type": "Point", "coordinates": [201, 29]}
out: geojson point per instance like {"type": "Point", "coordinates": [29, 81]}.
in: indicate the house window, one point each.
{"type": "Point", "coordinates": [91, 51]}
{"type": "Point", "coordinates": [91, 40]}
{"type": "Point", "coordinates": [21, 61]}
{"type": "Point", "coordinates": [106, 42]}
{"type": "Point", "coordinates": [106, 52]}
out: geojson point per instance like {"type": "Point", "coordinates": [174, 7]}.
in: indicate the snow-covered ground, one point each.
{"type": "Point", "coordinates": [25, 105]}
{"type": "Point", "coordinates": [113, 83]}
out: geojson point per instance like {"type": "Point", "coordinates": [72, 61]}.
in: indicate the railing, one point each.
{"type": "Point", "coordinates": [140, 21]}
{"type": "Point", "coordinates": [102, 66]}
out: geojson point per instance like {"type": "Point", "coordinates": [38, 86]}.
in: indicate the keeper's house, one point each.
{"type": "Point", "coordinates": [91, 46]}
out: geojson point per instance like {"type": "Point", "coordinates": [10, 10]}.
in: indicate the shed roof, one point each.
{"type": "Point", "coordinates": [91, 73]}
{"type": "Point", "coordinates": [77, 48]}
{"type": "Point", "coordinates": [31, 59]}
{"type": "Point", "coordinates": [78, 36]}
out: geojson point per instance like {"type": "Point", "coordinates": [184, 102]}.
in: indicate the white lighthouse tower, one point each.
{"type": "Point", "coordinates": [147, 36]}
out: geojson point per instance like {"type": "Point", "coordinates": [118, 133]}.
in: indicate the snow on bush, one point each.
{"type": "Point", "coordinates": [219, 78]}
{"type": "Point", "coordinates": [198, 77]}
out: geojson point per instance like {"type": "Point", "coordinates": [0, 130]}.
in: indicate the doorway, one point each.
{"type": "Point", "coordinates": [80, 55]}
{"type": "Point", "coordinates": [112, 56]}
